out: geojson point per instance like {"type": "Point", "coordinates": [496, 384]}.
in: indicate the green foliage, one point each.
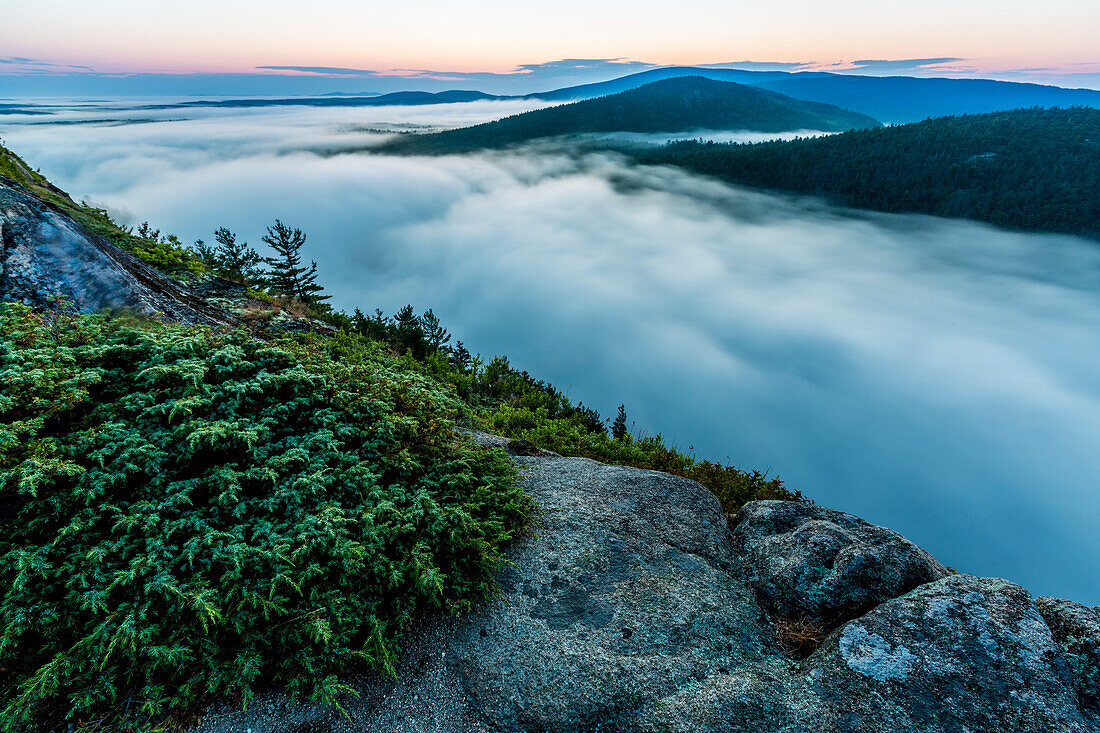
{"type": "Point", "coordinates": [288, 277]}
{"type": "Point", "coordinates": [164, 252]}
{"type": "Point", "coordinates": [195, 514]}
{"type": "Point", "coordinates": [1035, 169]}
{"type": "Point", "coordinates": [569, 435]}
{"type": "Point", "coordinates": [233, 260]}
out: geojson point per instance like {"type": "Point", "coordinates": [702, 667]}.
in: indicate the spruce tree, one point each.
{"type": "Point", "coordinates": [434, 333]}
{"type": "Point", "coordinates": [461, 358]}
{"type": "Point", "coordinates": [409, 334]}
{"type": "Point", "coordinates": [236, 261]}
{"type": "Point", "coordinates": [618, 428]}
{"type": "Point", "coordinates": [288, 277]}
{"type": "Point", "coordinates": [206, 253]}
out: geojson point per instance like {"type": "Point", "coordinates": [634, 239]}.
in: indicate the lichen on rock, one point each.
{"type": "Point", "coordinates": [871, 655]}
{"type": "Point", "coordinates": [1076, 628]}
{"type": "Point", "coordinates": [961, 653]}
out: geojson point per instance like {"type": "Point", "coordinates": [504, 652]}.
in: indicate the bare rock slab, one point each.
{"type": "Point", "coordinates": [46, 258]}
{"type": "Point", "coordinates": [625, 595]}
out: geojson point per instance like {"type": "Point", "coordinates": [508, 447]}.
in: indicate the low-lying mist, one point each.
{"type": "Point", "coordinates": [938, 377]}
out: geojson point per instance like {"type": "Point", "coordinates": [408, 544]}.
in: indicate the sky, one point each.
{"type": "Point", "coordinates": [278, 46]}
{"type": "Point", "coordinates": [939, 377]}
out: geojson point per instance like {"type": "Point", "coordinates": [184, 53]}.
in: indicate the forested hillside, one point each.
{"type": "Point", "coordinates": [671, 105]}
{"type": "Point", "coordinates": [1035, 169]}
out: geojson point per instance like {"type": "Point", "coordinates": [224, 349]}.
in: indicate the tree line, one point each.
{"type": "Point", "coordinates": [1034, 169]}
{"type": "Point", "coordinates": [283, 274]}
{"type": "Point", "coordinates": [421, 337]}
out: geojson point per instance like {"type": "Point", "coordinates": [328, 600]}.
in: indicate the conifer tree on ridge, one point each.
{"type": "Point", "coordinates": [288, 277]}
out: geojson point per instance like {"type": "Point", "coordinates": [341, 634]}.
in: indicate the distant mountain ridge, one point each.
{"type": "Point", "coordinates": [394, 98]}
{"type": "Point", "coordinates": [669, 105]}
{"type": "Point", "coordinates": [641, 78]}
{"type": "Point", "coordinates": [900, 99]}
{"type": "Point", "coordinates": [891, 99]}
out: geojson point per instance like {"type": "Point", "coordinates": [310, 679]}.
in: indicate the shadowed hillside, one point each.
{"type": "Point", "coordinates": [893, 99]}
{"type": "Point", "coordinates": [1029, 169]}
{"type": "Point", "coordinates": [671, 105]}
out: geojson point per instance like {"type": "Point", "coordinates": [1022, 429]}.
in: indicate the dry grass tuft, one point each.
{"type": "Point", "coordinates": [294, 306]}
{"type": "Point", "coordinates": [798, 638]}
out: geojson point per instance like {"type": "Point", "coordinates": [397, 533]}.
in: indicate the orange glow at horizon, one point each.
{"type": "Point", "coordinates": [492, 36]}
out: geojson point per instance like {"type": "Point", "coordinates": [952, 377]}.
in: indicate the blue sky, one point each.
{"type": "Point", "coordinates": [280, 47]}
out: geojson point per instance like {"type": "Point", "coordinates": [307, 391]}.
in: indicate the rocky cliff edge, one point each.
{"type": "Point", "coordinates": [633, 606]}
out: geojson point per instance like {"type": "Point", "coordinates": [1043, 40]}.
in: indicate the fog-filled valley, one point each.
{"type": "Point", "coordinates": [936, 376]}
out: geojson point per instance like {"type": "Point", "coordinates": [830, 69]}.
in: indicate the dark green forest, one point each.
{"type": "Point", "coordinates": [1033, 169]}
{"type": "Point", "coordinates": [670, 105]}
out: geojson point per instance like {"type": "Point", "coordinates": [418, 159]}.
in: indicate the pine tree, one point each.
{"type": "Point", "coordinates": [409, 334]}
{"type": "Point", "coordinates": [434, 333]}
{"type": "Point", "coordinates": [618, 428]}
{"type": "Point", "coordinates": [288, 277]}
{"type": "Point", "coordinates": [236, 261]}
{"type": "Point", "coordinates": [461, 357]}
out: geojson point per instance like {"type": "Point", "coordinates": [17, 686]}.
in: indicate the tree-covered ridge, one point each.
{"type": "Point", "coordinates": [1036, 169]}
{"type": "Point", "coordinates": [670, 105]}
{"type": "Point", "coordinates": [191, 514]}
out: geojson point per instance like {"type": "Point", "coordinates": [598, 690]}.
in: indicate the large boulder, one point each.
{"type": "Point", "coordinates": [1076, 628]}
{"type": "Point", "coordinates": [806, 561]}
{"type": "Point", "coordinates": [960, 654]}
{"type": "Point", "coordinates": [627, 609]}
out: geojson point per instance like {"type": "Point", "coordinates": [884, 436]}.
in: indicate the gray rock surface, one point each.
{"type": "Point", "coordinates": [626, 594]}
{"type": "Point", "coordinates": [960, 654]}
{"type": "Point", "coordinates": [1076, 628]}
{"type": "Point", "coordinates": [628, 609]}
{"type": "Point", "coordinates": [806, 561]}
{"type": "Point", "coordinates": [45, 255]}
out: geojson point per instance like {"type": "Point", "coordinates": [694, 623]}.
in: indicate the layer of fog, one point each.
{"type": "Point", "coordinates": [939, 377]}
{"type": "Point", "coordinates": [105, 139]}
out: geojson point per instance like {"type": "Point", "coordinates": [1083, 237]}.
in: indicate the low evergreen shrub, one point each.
{"type": "Point", "coordinates": [191, 514]}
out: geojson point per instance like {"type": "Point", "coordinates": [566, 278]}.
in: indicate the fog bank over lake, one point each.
{"type": "Point", "coordinates": [939, 377]}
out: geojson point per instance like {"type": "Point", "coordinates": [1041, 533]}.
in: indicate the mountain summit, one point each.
{"type": "Point", "coordinates": [670, 105]}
